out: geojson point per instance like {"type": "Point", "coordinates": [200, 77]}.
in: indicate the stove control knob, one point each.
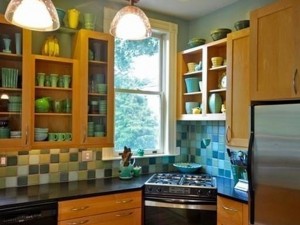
{"type": "Point", "coordinates": [158, 189]}
{"type": "Point", "coordinates": [209, 193]}
{"type": "Point", "coordinates": [200, 192]}
{"type": "Point", "coordinates": [149, 189]}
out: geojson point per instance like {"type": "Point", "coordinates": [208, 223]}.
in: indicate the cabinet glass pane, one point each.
{"type": "Point", "coordinates": [10, 82]}
{"type": "Point", "coordinates": [97, 88]}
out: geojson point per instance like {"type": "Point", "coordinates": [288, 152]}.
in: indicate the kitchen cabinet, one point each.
{"type": "Point", "coordinates": [121, 208]}
{"type": "Point", "coordinates": [209, 75]}
{"type": "Point", "coordinates": [275, 51]}
{"type": "Point", "coordinates": [230, 212]}
{"type": "Point", "coordinates": [238, 90]}
{"type": "Point", "coordinates": [61, 120]}
{"type": "Point", "coordinates": [13, 87]}
{"type": "Point", "coordinates": [95, 52]}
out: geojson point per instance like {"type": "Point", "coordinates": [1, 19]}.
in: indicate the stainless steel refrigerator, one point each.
{"type": "Point", "coordinates": [274, 163]}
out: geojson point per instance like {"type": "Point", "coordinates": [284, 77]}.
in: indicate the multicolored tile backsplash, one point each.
{"type": "Point", "coordinates": [199, 141]}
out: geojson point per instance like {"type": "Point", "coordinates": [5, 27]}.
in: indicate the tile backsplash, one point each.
{"type": "Point", "coordinates": [199, 141]}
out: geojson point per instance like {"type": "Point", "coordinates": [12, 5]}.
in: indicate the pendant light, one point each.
{"type": "Point", "coordinates": [38, 15]}
{"type": "Point", "coordinates": [131, 23]}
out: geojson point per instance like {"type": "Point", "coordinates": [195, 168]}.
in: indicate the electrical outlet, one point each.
{"type": "Point", "coordinates": [87, 155]}
{"type": "Point", "coordinates": [3, 160]}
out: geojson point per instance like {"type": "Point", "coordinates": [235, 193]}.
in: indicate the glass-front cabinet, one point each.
{"type": "Point", "coordinates": [14, 111]}
{"type": "Point", "coordinates": [55, 101]}
{"type": "Point", "coordinates": [94, 50]}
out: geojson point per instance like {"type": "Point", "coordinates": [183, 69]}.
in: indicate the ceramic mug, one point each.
{"type": "Point", "coordinates": [61, 136]}
{"type": "Point", "coordinates": [68, 136]}
{"type": "Point", "coordinates": [52, 137]}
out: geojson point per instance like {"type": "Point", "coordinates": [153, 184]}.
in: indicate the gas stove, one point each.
{"type": "Point", "coordinates": [184, 186]}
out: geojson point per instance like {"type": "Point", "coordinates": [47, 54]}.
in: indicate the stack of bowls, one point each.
{"type": "Point", "coordinates": [15, 134]}
{"type": "Point", "coordinates": [4, 129]}
{"type": "Point", "coordinates": [40, 134]}
{"type": "Point", "coordinates": [15, 103]}
{"type": "Point", "coordinates": [102, 88]}
{"type": "Point", "coordinates": [102, 106]}
{"type": "Point", "coordinates": [91, 129]}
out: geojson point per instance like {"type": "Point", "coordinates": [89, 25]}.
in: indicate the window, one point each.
{"type": "Point", "coordinates": [145, 96]}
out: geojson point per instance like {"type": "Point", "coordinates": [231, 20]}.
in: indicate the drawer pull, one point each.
{"type": "Point", "coordinates": [124, 201]}
{"type": "Point", "coordinates": [229, 209]}
{"type": "Point", "coordinates": [124, 214]}
{"type": "Point", "coordinates": [79, 208]}
{"type": "Point", "coordinates": [79, 222]}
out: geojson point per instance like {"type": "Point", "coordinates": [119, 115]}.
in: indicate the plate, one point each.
{"type": "Point", "coordinates": [223, 81]}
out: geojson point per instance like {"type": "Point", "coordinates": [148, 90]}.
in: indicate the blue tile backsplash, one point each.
{"type": "Point", "coordinates": [199, 141]}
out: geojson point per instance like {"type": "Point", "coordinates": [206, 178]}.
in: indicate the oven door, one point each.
{"type": "Point", "coordinates": [177, 212]}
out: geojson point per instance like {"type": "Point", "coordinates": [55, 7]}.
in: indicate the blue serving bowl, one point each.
{"type": "Point", "coordinates": [187, 167]}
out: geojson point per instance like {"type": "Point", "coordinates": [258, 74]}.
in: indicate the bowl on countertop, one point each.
{"type": "Point", "coordinates": [187, 167]}
{"type": "Point", "coordinates": [220, 33]}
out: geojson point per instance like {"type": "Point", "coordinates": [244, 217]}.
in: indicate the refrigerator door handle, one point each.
{"type": "Point", "coordinates": [250, 177]}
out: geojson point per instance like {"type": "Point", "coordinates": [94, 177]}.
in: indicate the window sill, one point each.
{"type": "Point", "coordinates": [109, 155]}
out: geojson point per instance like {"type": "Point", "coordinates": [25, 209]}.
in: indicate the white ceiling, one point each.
{"type": "Point", "coordinates": [184, 9]}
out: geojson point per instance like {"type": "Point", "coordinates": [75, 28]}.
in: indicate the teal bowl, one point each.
{"type": "Point", "coordinates": [190, 105]}
{"type": "Point", "coordinates": [187, 167]}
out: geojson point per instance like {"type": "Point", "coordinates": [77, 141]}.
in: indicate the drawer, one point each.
{"type": "Point", "coordinates": [229, 212]}
{"type": "Point", "coordinates": [96, 205]}
{"type": "Point", "coordinates": [123, 217]}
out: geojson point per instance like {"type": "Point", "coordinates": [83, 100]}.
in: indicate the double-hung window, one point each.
{"type": "Point", "coordinates": [145, 93]}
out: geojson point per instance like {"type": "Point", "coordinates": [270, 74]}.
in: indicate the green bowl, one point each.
{"type": "Point", "coordinates": [219, 33]}
{"type": "Point", "coordinates": [194, 42]}
{"type": "Point", "coordinates": [241, 24]}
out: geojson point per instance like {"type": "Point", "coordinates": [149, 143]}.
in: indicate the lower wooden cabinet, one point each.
{"type": "Point", "coordinates": [230, 212]}
{"type": "Point", "coordinates": [124, 217]}
{"type": "Point", "coordinates": [121, 208]}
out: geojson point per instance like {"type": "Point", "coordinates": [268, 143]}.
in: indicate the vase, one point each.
{"type": "Point", "coordinates": [6, 45]}
{"type": "Point", "coordinates": [18, 43]}
{"type": "Point", "coordinates": [215, 103]}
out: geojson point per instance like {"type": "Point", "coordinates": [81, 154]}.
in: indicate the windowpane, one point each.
{"type": "Point", "coordinates": [138, 94]}
{"type": "Point", "coordinates": [137, 64]}
{"type": "Point", "coordinates": [137, 121]}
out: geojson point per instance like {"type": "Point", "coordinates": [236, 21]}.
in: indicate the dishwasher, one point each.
{"type": "Point", "coordinates": [31, 214]}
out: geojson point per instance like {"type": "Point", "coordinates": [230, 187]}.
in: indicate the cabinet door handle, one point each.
{"type": "Point", "coordinates": [229, 209]}
{"type": "Point", "coordinates": [124, 214]}
{"type": "Point", "coordinates": [84, 135]}
{"type": "Point", "coordinates": [26, 135]}
{"type": "Point", "coordinates": [227, 134]}
{"type": "Point", "coordinates": [294, 82]}
{"type": "Point", "coordinates": [124, 201]}
{"type": "Point", "coordinates": [79, 208]}
{"type": "Point", "coordinates": [78, 222]}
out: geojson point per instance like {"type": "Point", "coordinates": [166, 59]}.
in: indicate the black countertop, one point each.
{"type": "Point", "coordinates": [10, 197]}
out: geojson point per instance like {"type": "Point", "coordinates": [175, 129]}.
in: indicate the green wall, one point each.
{"type": "Point", "coordinates": [224, 18]}
{"type": "Point", "coordinates": [200, 27]}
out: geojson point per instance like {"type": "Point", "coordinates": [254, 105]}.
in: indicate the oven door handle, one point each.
{"type": "Point", "coordinates": [182, 204]}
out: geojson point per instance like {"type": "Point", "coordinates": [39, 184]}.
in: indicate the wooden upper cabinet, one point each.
{"type": "Point", "coordinates": [14, 94]}
{"type": "Point", "coordinates": [238, 93]}
{"type": "Point", "coordinates": [274, 38]}
{"type": "Point", "coordinates": [95, 52]}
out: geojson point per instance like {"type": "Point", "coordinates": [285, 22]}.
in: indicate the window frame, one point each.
{"type": "Point", "coordinates": [169, 74]}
